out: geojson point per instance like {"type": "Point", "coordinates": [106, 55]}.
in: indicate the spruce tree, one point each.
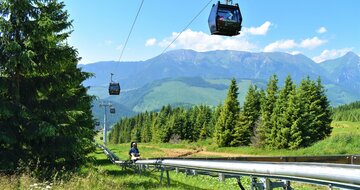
{"type": "Point", "coordinates": [267, 107]}
{"type": "Point", "coordinates": [45, 111]}
{"type": "Point", "coordinates": [280, 120]}
{"type": "Point", "coordinates": [315, 112]}
{"type": "Point", "coordinates": [304, 96]}
{"type": "Point", "coordinates": [295, 120]}
{"type": "Point", "coordinates": [258, 139]}
{"type": "Point", "coordinates": [322, 119]}
{"type": "Point", "coordinates": [245, 126]}
{"type": "Point", "coordinates": [202, 121]}
{"type": "Point", "coordinates": [214, 117]}
{"type": "Point", "coordinates": [224, 128]}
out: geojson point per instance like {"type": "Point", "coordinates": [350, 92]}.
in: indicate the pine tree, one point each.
{"type": "Point", "coordinates": [280, 131]}
{"type": "Point", "coordinates": [46, 113]}
{"type": "Point", "coordinates": [258, 139]}
{"type": "Point", "coordinates": [267, 108]}
{"type": "Point", "coordinates": [214, 117]}
{"type": "Point", "coordinates": [323, 115]}
{"type": "Point", "coordinates": [146, 133]}
{"type": "Point", "coordinates": [295, 119]}
{"type": "Point", "coordinates": [245, 127]}
{"type": "Point", "coordinates": [201, 123]}
{"type": "Point", "coordinates": [229, 113]}
{"type": "Point", "coordinates": [315, 112]}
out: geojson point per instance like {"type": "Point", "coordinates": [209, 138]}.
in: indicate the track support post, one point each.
{"type": "Point", "coordinates": [267, 184]}
{"type": "Point", "coordinates": [164, 169]}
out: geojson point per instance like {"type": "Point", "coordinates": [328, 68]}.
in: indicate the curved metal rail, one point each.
{"type": "Point", "coordinates": [328, 174]}
{"type": "Point", "coordinates": [335, 175]}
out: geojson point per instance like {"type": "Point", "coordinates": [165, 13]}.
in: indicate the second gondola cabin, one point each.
{"type": "Point", "coordinates": [114, 88]}
{"type": "Point", "coordinates": [225, 19]}
{"type": "Point", "coordinates": [112, 110]}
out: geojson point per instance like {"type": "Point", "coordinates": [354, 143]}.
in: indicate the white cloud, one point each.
{"type": "Point", "coordinates": [321, 30]}
{"type": "Point", "coordinates": [331, 54]}
{"type": "Point", "coordinates": [119, 47]}
{"type": "Point", "coordinates": [312, 43]}
{"type": "Point", "coordinates": [295, 52]}
{"type": "Point", "coordinates": [108, 42]}
{"type": "Point", "coordinates": [150, 42]}
{"type": "Point", "coordinates": [261, 30]}
{"type": "Point", "coordinates": [309, 43]}
{"type": "Point", "coordinates": [200, 41]}
{"type": "Point", "coordinates": [280, 45]}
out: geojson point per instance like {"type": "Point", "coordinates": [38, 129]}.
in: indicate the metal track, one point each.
{"type": "Point", "coordinates": [333, 171]}
{"type": "Point", "coordinates": [338, 159]}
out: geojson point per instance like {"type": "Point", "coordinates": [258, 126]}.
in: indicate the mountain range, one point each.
{"type": "Point", "coordinates": [187, 77]}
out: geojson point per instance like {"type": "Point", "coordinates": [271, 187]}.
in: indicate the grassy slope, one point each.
{"type": "Point", "coordinates": [102, 174]}
{"type": "Point", "coordinates": [345, 139]}
{"type": "Point", "coordinates": [338, 95]}
{"type": "Point", "coordinates": [179, 91]}
{"type": "Point", "coordinates": [194, 90]}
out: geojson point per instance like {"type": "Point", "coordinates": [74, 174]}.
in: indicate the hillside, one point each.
{"type": "Point", "coordinates": [212, 64]}
{"type": "Point", "coordinates": [345, 71]}
{"type": "Point", "coordinates": [186, 77]}
{"type": "Point", "coordinates": [176, 92]}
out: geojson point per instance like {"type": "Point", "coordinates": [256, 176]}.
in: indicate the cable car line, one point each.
{"type": "Point", "coordinates": [133, 24]}
{"type": "Point", "coordinates": [114, 87]}
{"type": "Point", "coordinates": [187, 26]}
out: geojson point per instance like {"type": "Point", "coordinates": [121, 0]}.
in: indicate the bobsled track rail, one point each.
{"type": "Point", "coordinates": [342, 171]}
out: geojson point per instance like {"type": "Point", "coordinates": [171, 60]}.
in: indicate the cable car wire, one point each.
{"type": "Point", "coordinates": [187, 26]}
{"type": "Point", "coordinates": [133, 24]}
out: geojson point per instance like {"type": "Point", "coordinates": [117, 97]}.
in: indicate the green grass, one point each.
{"type": "Point", "coordinates": [172, 92]}
{"type": "Point", "coordinates": [183, 91]}
{"type": "Point", "coordinates": [345, 139]}
{"type": "Point", "coordinates": [102, 174]}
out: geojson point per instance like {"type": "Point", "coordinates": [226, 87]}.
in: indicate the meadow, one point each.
{"type": "Point", "coordinates": [102, 174]}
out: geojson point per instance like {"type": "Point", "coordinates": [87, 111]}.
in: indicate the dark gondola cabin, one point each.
{"type": "Point", "coordinates": [114, 88]}
{"type": "Point", "coordinates": [97, 123]}
{"type": "Point", "coordinates": [225, 19]}
{"type": "Point", "coordinates": [112, 110]}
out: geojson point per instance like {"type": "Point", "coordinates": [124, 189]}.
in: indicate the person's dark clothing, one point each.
{"type": "Point", "coordinates": [134, 151]}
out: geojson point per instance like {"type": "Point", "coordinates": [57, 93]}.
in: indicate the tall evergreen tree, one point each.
{"type": "Point", "coordinates": [296, 120]}
{"type": "Point", "coordinates": [315, 112]}
{"type": "Point", "coordinates": [202, 122]}
{"type": "Point", "coordinates": [267, 107]}
{"type": "Point", "coordinates": [244, 129]}
{"type": "Point", "coordinates": [322, 119]}
{"type": "Point", "coordinates": [280, 123]}
{"type": "Point", "coordinates": [229, 113]}
{"type": "Point", "coordinates": [45, 111]}
{"type": "Point", "coordinates": [258, 139]}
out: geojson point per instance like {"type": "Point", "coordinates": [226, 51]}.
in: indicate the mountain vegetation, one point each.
{"type": "Point", "coordinates": [186, 77]}
{"type": "Point", "coordinates": [45, 112]}
{"type": "Point", "coordinates": [347, 112]}
{"type": "Point", "coordinates": [283, 118]}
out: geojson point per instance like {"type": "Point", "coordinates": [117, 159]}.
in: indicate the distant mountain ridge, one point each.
{"type": "Point", "coordinates": [212, 64]}
{"type": "Point", "coordinates": [344, 71]}
{"type": "Point", "coordinates": [340, 76]}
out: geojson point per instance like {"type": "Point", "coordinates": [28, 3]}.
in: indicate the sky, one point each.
{"type": "Point", "coordinates": [319, 29]}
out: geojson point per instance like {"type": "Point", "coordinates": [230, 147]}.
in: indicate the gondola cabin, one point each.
{"type": "Point", "coordinates": [114, 88]}
{"type": "Point", "coordinates": [225, 19]}
{"type": "Point", "coordinates": [112, 110]}
{"type": "Point", "coordinates": [97, 123]}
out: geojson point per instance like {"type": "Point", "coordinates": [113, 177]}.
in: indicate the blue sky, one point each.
{"type": "Point", "coordinates": [319, 29]}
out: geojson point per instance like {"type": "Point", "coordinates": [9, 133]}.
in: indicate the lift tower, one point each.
{"type": "Point", "coordinates": [105, 105]}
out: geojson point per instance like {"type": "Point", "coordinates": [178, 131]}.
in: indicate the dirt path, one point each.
{"type": "Point", "coordinates": [196, 153]}
{"type": "Point", "coordinates": [178, 152]}
{"type": "Point", "coordinates": [216, 154]}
